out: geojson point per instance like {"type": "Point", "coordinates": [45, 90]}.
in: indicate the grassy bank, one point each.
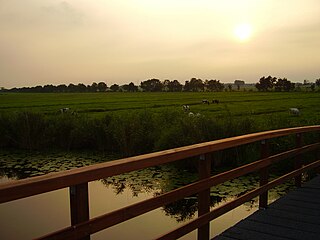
{"type": "Point", "coordinates": [257, 104]}
{"type": "Point", "coordinates": [130, 124]}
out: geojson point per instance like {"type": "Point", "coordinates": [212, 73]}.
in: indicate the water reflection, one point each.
{"type": "Point", "coordinates": [126, 189]}
{"type": "Point", "coordinates": [19, 165]}
{"type": "Point", "coordinates": [159, 180]}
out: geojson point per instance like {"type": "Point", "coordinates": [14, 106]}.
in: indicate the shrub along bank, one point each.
{"type": "Point", "coordinates": [132, 133]}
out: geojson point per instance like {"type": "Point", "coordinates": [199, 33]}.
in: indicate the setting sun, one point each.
{"type": "Point", "coordinates": [243, 31]}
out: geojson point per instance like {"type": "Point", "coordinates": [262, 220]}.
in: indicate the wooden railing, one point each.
{"type": "Point", "coordinates": [77, 181]}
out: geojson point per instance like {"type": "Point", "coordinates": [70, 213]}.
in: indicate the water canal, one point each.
{"type": "Point", "coordinates": [38, 215]}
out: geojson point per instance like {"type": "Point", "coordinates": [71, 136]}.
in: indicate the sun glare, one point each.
{"type": "Point", "coordinates": [243, 32]}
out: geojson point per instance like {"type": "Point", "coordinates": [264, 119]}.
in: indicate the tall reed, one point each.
{"type": "Point", "coordinates": [136, 132]}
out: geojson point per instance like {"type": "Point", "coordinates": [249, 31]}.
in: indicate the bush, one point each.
{"type": "Point", "coordinates": [60, 130]}
{"type": "Point", "coordinates": [138, 132]}
{"type": "Point", "coordinates": [5, 140]}
{"type": "Point", "coordinates": [24, 130]}
{"type": "Point", "coordinates": [133, 132]}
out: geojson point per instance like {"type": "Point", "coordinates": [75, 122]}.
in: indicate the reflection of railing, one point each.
{"type": "Point", "coordinates": [77, 180]}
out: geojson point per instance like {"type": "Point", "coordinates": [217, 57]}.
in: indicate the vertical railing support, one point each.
{"type": "Point", "coordinates": [297, 160]}
{"type": "Point", "coordinates": [79, 204]}
{"type": "Point", "coordinates": [317, 155]}
{"type": "Point", "coordinates": [264, 175]}
{"type": "Point", "coordinates": [204, 169]}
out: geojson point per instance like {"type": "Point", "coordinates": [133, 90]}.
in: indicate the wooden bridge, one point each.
{"type": "Point", "coordinates": [295, 216]}
{"type": "Point", "coordinates": [82, 226]}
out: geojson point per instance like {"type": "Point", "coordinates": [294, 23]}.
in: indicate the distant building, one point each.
{"type": "Point", "coordinates": [239, 82]}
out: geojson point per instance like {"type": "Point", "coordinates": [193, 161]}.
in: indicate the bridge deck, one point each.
{"type": "Point", "coordinates": [294, 216]}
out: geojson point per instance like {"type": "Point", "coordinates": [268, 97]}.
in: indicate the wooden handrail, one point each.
{"type": "Point", "coordinates": [110, 219]}
{"type": "Point", "coordinates": [77, 180]}
{"type": "Point", "coordinates": [53, 181]}
{"type": "Point", "coordinates": [194, 224]}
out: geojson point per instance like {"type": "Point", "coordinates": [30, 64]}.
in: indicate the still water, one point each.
{"type": "Point", "coordinates": [38, 215]}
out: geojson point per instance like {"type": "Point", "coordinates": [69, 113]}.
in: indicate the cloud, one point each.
{"type": "Point", "coordinates": [37, 15]}
{"type": "Point", "coordinates": [63, 14]}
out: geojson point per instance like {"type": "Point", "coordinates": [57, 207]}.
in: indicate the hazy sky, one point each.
{"type": "Point", "coordinates": [119, 41]}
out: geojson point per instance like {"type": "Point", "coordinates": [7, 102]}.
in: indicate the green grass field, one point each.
{"type": "Point", "coordinates": [128, 124]}
{"type": "Point", "coordinates": [256, 104]}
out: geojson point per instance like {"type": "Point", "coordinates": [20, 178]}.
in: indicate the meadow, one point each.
{"type": "Point", "coordinates": [256, 104]}
{"type": "Point", "coordinates": [127, 124]}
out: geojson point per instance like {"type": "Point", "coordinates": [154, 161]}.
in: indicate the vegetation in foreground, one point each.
{"type": "Point", "coordinates": [125, 124]}
{"type": "Point", "coordinates": [130, 124]}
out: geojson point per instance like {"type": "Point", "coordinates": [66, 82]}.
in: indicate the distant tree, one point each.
{"type": "Point", "coordinates": [165, 85]}
{"type": "Point", "coordinates": [318, 82]}
{"type": "Point", "coordinates": [239, 83]}
{"type": "Point", "coordinates": [298, 88]}
{"type": "Point", "coordinates": [230, 87]}
{"type": "Point", "coordinates": [93, 87]}
{"type": "Point", "coordinates": [151, 85]}
{"type": "Point", "coordinates": [196, 85]}
{"type": "Point", "coordinates": [28, 89]}
{"type": "Point", "coordinates": [124, 88]}
{"type": "Point", "coordinates": [81, 87]}
{"type": "Point", "coordinates": [49, 88]}
{"type": "Point", "coordinates": [114, 87]}
{"type": "Point", "coordinates": [284, 85]}
{"type": "Point", "coordinates": [171, 86]}
{"type": "Point", "coordinates": [214, 85]}
{"type": "Point", "coordinates": [3, 89]}
{"type": "Point", "coordinates": [62, 88]}
{"type": "Point", "coordinates": [312, 87]}
{"type": "Point", "coordinates": [129, 87]}
{"type": "Point", "coordinates": [132, 87]}
{"type": "Point", "coordinates": [266, 83]}
{"type": "Point", "coordinates": [175, 86]}
{"type": "Point", "coordinates": [186, 87]}
{"type": "Point", "coordinates": [102, 86]}
{"type": "Point", "coordinates": [37, 89]}
{"type": "Point", "coordinates": [14, 89]}
{"type": "Point", "coordinates": [72, 88]}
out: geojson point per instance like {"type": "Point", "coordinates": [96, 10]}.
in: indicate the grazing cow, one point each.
{"type": "Point", "coordinates": [186, 108]}
{"type": "Point", "coordinates": [215, 101]}
{"type": "Point", "coordinates": [294, 111]}
{"type": "Point", "coordinates": [191, 114]}
{"type": "Point", "coordinates": [64, 110]}
{"type": "Point", "coordinates": [205, 101]}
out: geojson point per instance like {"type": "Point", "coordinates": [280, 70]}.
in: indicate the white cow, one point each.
{"type": "Point", "coordinates": [64, 110]}
{"type": "Point", "coordinates": [205, 101]}
{"type": "Point", "coordinates": [186, 108]}
{"type": "Point", "coordinates": [294, 111]}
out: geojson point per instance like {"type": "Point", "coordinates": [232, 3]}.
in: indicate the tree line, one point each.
{"type": "Point", "coordinates": [150, 85]}
{"type": "Point", "coordinates": [155, 85]}
{"type": "Point", "coordinates": [281, 84]}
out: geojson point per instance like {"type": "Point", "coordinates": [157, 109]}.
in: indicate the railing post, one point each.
{"type": "Point", "coordinates": [297, 160]}
{"type": "Point", "coordinates": [317, 155]}
{"type": "Point", "coordinates": [204, 169]}
{"type": "Point", "coordinates": [264, 174]}
{"type": "Point", "coordinates": [79, 205]}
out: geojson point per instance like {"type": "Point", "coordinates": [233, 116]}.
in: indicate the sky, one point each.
{"type": "Point", "coordinates": [80, 41]}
